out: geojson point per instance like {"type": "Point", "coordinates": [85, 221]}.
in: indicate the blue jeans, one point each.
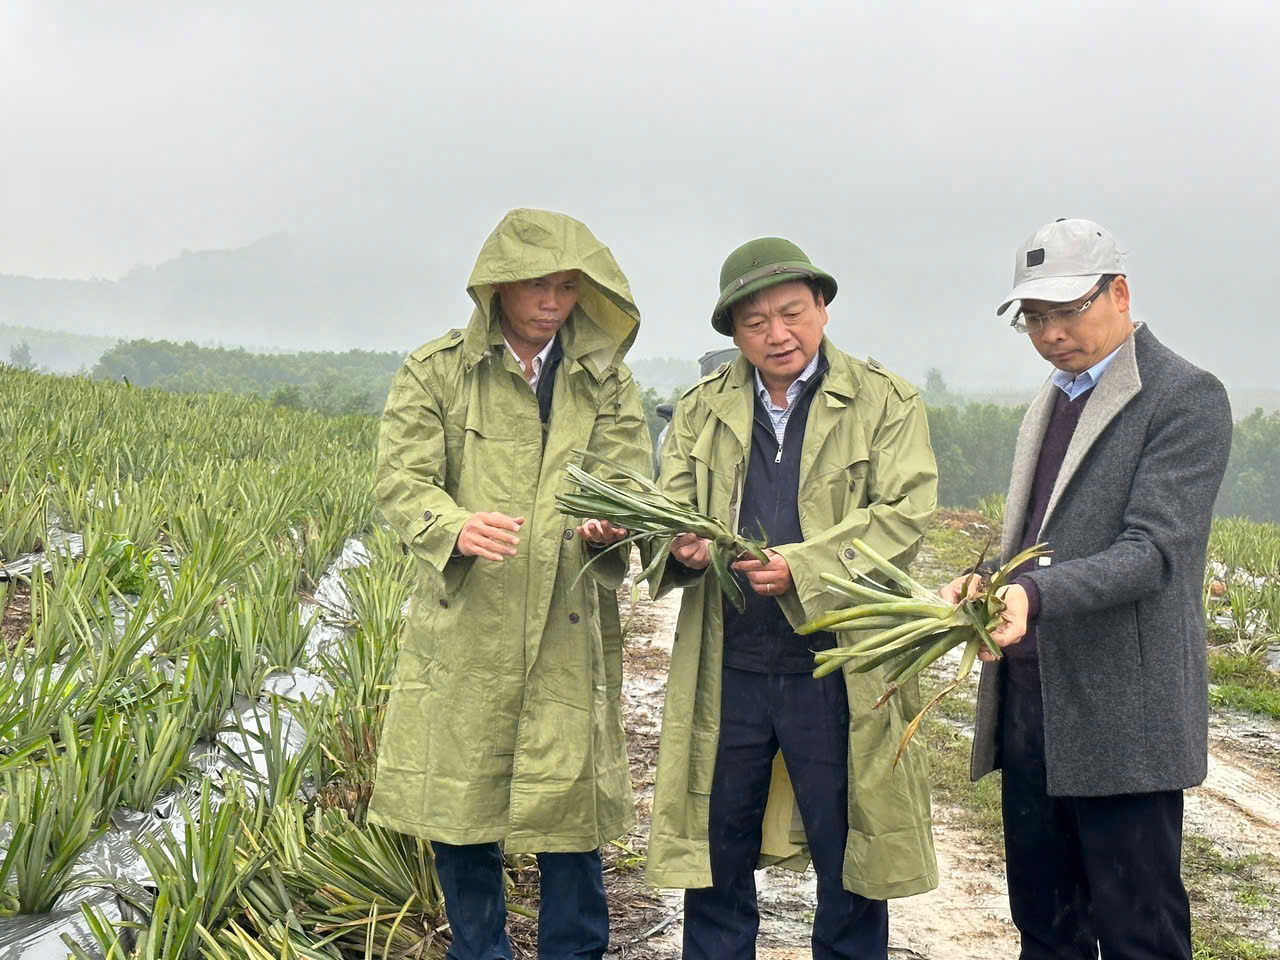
{"type": "Point", "coordinates": [573, 915]}
{"type": "Point", "coordinates": [808, 720]}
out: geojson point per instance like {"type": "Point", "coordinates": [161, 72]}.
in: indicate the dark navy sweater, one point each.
{"type": "Point", "coordinates": [761, 639]}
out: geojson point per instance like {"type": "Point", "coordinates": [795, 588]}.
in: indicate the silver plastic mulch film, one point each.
{"type": "Point", "coordinates": [39, 936]}
{"type": "Point", "coordinates": [112, 863]}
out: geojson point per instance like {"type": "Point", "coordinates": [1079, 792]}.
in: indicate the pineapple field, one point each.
{"type": "Point", "coordinates": [200, 627]}
{"type": "Point", "coordinates": [200, 618]}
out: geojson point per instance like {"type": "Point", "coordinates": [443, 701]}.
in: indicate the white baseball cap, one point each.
{"type": "Point", "coordinates": [1062, 261]}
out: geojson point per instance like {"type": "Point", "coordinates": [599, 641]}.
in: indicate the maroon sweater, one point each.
{"type": "Point", "coordinates": [1053, 450]}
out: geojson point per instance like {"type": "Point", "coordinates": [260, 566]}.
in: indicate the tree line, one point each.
{"type": "Point", "coordinates": [973, 442]}
{"type": "Point", "coordinates": [356, 381]}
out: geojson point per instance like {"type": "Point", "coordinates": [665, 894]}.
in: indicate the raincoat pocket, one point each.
{"type": "Point", "coordinates": [488, 470]}
{"type": "Point", "coordinates": [566, 670]}
{"type": "Point", "coordinates": [712, 480]}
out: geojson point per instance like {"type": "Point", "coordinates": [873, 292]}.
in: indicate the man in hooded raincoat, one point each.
{"type": "Point", "coordinates": [504, 723]}
{"type": "Point", "coordinates": [818, 449]}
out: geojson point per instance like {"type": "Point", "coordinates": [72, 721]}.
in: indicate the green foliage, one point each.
{"type": "Point", "coordinates": [1243, 682]}
{"type": "Point", "coordinates": [1243, 546]}
{"type": "Point", "coordinates": [649, 399]}
{"type": "Point", "coordinates": [23, 524]}
{"type": "Point", "coordinates": [1252, 484]}
{"type": "Point", "coordinates": [332, 383]}
{"type": "Point", "coordinates": [285, 769]}
{"type": "Point", "coordinates": [992, 510]}
{"type": "Point", "coordinates": [206, 519]}
{"type": "Point", "coordinates": [198, 879]}
{"type": "Point", "coordinates": [126, 566]}
{"type": "Point", "coordinates": [20, 356]}
{"type": "Point", "coordinates": [936, 393]}
{"type": "Point", "coordinates": [58, 811]}
{"type": "Point", "coordinates": [160, 736]}
{"type": "Point", "coordinates": [974, 447]}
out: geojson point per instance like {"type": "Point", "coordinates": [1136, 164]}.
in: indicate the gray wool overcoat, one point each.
{"type": "Point", "coordinates": [1121, 631]}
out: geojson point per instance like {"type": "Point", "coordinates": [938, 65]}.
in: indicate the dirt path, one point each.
{"type": "Point", "coordinates": [967, 917]}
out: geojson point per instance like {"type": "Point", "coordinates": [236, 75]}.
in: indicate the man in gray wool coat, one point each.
{"type": "Point", "coordinates": [1098, 712]}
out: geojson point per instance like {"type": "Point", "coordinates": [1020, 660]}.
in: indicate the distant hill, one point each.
{"type": "Point", "coordinates": [355, 381]}
{"type": "Point", "coordinates": [268, 294]}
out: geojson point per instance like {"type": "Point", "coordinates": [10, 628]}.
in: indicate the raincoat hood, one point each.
{"type": "Point", "coordinates": [533, 243]}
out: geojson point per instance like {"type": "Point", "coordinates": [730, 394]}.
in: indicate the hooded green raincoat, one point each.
{"type": "Point", "coordinates": [867, 471]}
{"type": "Point", "coordinates": [504, 721]}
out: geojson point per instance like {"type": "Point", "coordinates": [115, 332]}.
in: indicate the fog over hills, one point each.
{"type": "Point", "coordinates": [907, 151]}
{"type": "Point", "coordinates": [274, 294]}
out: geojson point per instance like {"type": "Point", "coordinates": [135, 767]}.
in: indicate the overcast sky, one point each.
{"type": "Point", "coordinates": [909, 148]}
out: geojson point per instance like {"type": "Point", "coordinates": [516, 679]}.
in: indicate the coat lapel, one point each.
{"type": "Point", "coordinates": [835, 394]}
{"type": "Point", "coordinates": [1120, 384]}
{"type": "Point", "coordinates": [1025, 455]}
{"type": "Point", "coordinates": [735, 405]}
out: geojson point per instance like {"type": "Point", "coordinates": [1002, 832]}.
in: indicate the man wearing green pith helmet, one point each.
{"type": "Point", "coordinates": [760, 762]}
{"type": "Point", "coordinates": [504, 722]}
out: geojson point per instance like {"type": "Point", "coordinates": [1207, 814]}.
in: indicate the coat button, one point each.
{"type": "Point", "coordinates": [573, 618]}
{"type": "Point", "coordinates": [456, 334]}
{"type": "Point", "coordinates": [568, 534]}
{"type": "Point", "coordinates": [445, 604]}
{"type": "Point", "coordinates": [426, 514]}
{"type": "Point", "coordinates": [848, 553]}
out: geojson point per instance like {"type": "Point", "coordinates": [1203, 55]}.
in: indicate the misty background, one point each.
{"type": "Point", "coordinates": [318, 176]}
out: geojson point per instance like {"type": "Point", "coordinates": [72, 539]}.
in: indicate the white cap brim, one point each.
{"type": "Point", "coordinates": [1051, 290]}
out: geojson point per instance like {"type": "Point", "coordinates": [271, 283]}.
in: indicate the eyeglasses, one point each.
{"type": "Point", "coordinates": [1036, 322]}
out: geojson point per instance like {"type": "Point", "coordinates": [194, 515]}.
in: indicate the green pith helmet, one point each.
{"type": "Point", "coordinates": [762, 263]}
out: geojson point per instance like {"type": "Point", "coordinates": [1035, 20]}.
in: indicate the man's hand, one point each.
{"type": "Point", "coordinates": [489, 535]}
{"type": "Point", "coordinates": [769, 580]}
{"type": "Point", "coordinates": [692, 551]}
{"type": "Point", "coordinates": [1013, 619]}
{"type": "Point", "coordinates": [600, 533]}
{"type": "Point", "coordinates": [961, 588]}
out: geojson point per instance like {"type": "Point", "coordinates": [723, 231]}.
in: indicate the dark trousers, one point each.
{"type": "Point", "coordinates": [808, 720]}
{"type": "Point", "coordinates": [1086, 872]}
{"type": "Point", "coordinates": [573, 915]}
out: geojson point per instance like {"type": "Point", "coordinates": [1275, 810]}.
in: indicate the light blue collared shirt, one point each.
{"type": "Point", "coordinates": [1073, 387]}
{"type": "Point", "coordinates": [780, 415]}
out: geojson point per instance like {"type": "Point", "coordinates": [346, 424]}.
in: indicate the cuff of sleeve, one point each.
{"type": "Point", "coordinates": [609, 563]}
{"type": "Point", "coordinates": [1033, 596]}
{"type": "Point", "coordinates": [672, 574]}
{"type": "Point", "coordinates": [437, 541]}
{"type": "Point", "coordinates": [680, 571]}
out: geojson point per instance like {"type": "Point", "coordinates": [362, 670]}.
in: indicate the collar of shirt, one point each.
{"type": "Point", "coordinates": [538, 361]}
{"type": "Point", "coordinates": [793, 391]}
{"type": "Point", "coordinates": [1075, 386]}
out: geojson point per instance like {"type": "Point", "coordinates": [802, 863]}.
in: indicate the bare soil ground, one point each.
{"type": "Point", "coordinates": [16, 617]}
